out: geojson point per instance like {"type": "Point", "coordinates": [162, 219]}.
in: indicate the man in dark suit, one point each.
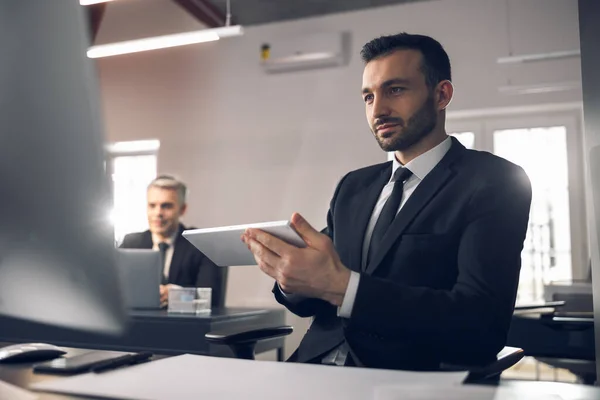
{"type": "Point", "coordinates": [420, 263]}
{"type": "Point", "coordinates": [184, 265]}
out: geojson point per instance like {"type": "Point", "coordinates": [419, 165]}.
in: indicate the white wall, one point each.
{"type": "Point", "coordinates": [256, 147]}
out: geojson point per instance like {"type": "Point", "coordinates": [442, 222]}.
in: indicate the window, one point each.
{"type": "Point", "coordinates": [547, 145]}
{"type": "Point", "coordinates": [132, 165]}
{"type": "Point", "coordinates": [547, 248]}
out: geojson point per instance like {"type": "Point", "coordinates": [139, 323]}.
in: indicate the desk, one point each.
{"type": "Point", "coordinates": [20, 375]}
{"type": "Point", "coordinates": [562, 342]}
{"type": "Point", "coordinates": [156, 331]}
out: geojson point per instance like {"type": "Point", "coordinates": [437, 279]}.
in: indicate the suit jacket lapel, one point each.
{"type": "Point", "coordinates": [364, 202]}
{"type": "Point", "coordinates": [432, 183]}
{"type": "Point", "coordinates": [178, 256]}
{"type": "Point", "coordinates": [146, 242]}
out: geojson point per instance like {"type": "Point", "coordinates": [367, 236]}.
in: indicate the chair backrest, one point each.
{"type": "Point", "coordinates": [219, 287]}
{"type": "Point", "coordinates": [505, 359]}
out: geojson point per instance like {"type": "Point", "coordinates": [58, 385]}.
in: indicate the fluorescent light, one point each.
{"type": "Point", "coordinates": [90, 2]}
{"type": "Point", "coordinates": [556, 55]}
{"type": "Point", "coordinates": [161, 42]}
{"type": "Point", "coordinates": [540, 88]}
{"type": "Point", "coordinates": [134, 146]}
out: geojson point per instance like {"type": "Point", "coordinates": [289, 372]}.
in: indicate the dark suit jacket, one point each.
{"type": "Point", "coordinates": [444, 285]}
{"type": "Point", "coordinates": [189, 266]}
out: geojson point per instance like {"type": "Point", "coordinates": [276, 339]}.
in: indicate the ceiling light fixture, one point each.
{"type": "Point", "coordinates": [166, 41]}
{"type": "Point", "coordinates": [90, 2]}
{"type": "Point", "coordinates": [540, 88]}
{"type": "Point", "coordinates": [524, 58]}
{"type": "Point", "coordinates": [162, 42]}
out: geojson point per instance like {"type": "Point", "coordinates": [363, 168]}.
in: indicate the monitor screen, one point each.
{"type": "Point", "coordinates": [57, 256]}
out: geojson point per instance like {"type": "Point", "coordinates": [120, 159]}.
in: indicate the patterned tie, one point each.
{"type": "Point", "coordinates": [389, 211]}
{"type": "Point", "coordinates": [163, 247]}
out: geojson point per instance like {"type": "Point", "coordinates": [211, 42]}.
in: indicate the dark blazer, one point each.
{"type": "Point", "coordinates": [443, 287]}
{"type": "Point", "coordinates": [189, 266]}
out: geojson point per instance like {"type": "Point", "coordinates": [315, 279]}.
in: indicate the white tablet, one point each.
{"type": "Point", "coordinates": [224, 247]}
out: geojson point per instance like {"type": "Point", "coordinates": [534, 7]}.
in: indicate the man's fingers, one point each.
{"type": "Point", "coordinates": [268, 269]}
{"type": "Point", "coordinates": [263, 256]}
{"type": "Point", "coordinates": [272, 243]}
{"type": "Point", "coordinates": [164, 293]}
{"type": "Point", "coordinates": [304, 229]}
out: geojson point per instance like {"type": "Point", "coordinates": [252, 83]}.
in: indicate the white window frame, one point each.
{"type": "Point", "coordinates": [570, 116]}
{"type": "Point", "coordinates": [134, 148]}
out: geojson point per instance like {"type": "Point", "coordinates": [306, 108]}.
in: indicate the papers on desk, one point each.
{"type": "Point", "coordinates": [200, 377]}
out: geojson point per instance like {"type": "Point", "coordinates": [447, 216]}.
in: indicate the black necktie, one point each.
{"type": "Point", "coordinates": [162, 247]}
{"type": "Point", "coordinates": [389, 211]}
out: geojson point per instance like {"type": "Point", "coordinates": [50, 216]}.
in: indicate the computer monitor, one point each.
{"type": "Point", "coordinates": [57, 256]}
{"type": "Point", "coordinates": [589, 31]}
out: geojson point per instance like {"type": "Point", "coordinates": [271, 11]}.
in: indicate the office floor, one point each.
{"type": "Point", "coordinates": [530, 369]}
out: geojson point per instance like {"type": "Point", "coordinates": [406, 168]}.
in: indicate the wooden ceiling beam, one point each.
{"type": "Point", "coordinates": [204, 11]}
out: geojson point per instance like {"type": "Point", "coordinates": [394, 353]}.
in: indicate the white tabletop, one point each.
{"type": "Point", "coordinates": [201, 377]}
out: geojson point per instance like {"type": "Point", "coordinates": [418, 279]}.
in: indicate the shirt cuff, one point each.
{"type": "Point", "coordinates": [291, 297]}
{"type": "Point", "coordinates": [345, 310]}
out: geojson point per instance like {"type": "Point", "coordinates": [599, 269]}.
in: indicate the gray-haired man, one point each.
{"type": "Point", "coordinates": [184, 265]}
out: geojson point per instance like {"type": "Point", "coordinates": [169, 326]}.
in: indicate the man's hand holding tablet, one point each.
{"type": "Point", "coordinates": [312, 271]}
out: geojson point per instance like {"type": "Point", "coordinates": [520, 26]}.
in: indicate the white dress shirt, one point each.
{"type": "Point", "coordinates": [169, 253]}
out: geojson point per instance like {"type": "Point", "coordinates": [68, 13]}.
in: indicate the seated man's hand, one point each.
{"type": "Point", "coordinates": [314, 271]}
{"type": "Point", "coordinates": [164, 294]}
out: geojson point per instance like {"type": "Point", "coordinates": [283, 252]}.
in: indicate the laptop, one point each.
{"type": "Point", "coordinates": [140, 271]}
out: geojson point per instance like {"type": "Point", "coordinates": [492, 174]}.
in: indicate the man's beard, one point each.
{"type": "Point", "coordinates": [418, 126]}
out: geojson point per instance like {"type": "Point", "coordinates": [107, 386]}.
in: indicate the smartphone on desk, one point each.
{"type": "Point", "coordinates": [77, 364]}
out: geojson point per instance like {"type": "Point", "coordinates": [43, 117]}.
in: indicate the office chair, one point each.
{"type": "Point", "coordinates": [243, 341]}
{"type": "Point", "coordinates": [560, 333]}
{"type": "Point", "coordinates": [219, 288]}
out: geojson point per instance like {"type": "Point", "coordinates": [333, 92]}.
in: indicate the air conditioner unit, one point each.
{"type": "Point", "coordinates": [306, 52]}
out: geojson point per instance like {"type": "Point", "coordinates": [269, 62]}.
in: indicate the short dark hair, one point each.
{"type": "Point", "coordinates": [436, 63]}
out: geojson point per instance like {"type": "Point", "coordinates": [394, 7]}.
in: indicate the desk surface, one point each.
{"type": "Point", "coordinates": [218, 314]}
{"type": "Point", "coordinates": [153, 330]}
{"type": "Point", "coordinates": [20, 375]}
{"type": "Point", "coordinates": [544, 336]}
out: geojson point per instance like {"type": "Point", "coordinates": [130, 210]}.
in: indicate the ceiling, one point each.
{"type": "Point", "coordinates": [254, 12]}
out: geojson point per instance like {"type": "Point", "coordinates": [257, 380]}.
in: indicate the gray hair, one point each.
{"type": "Point", "coordinates": [169, 182]}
